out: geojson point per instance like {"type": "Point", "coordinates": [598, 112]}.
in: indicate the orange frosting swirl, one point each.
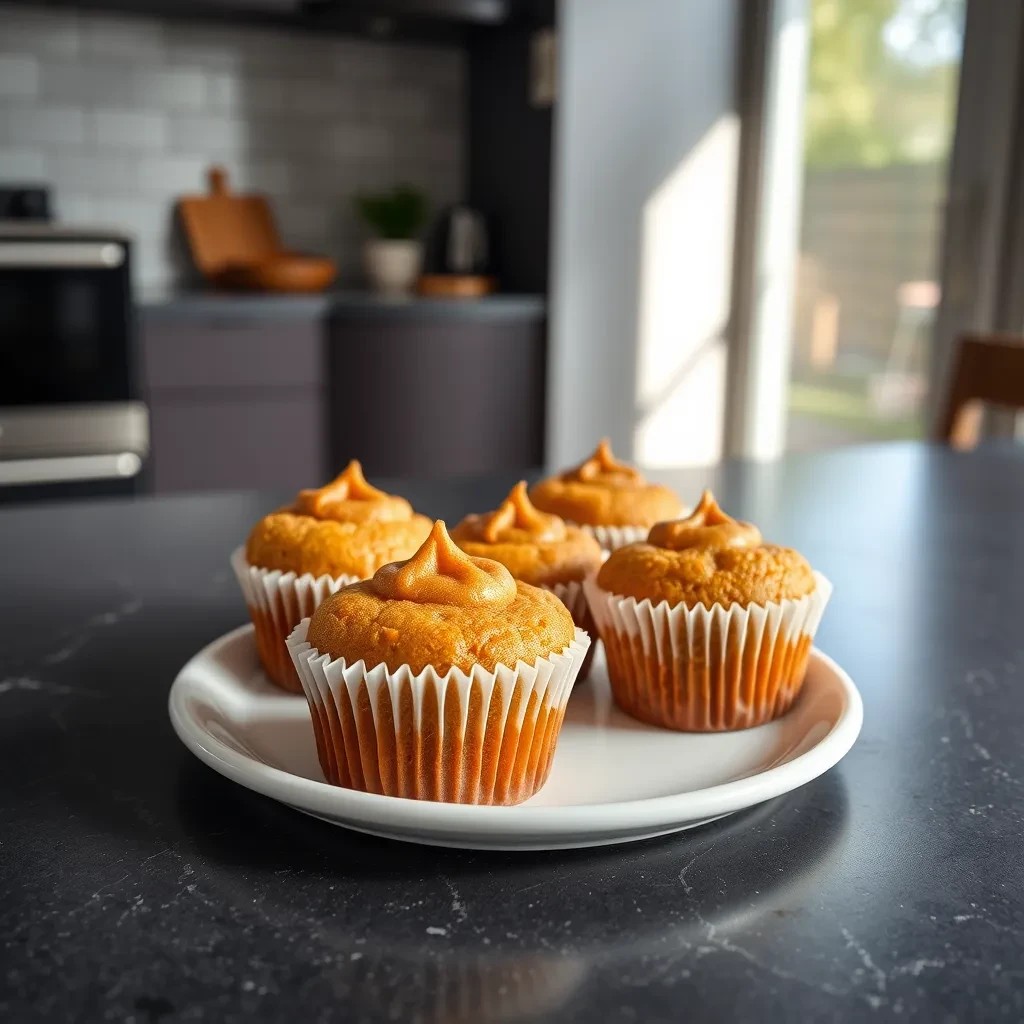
{"type": "Point", "coordinates": [439, 573]}
{"type": "Point", "coordinates": [349, 498]}
{"type": "Point", "coordinates": [603, 468]}
{"type": "Point", "coordinates": [515, 521]}
{"type": "Point", "coordinates": [707, 527]}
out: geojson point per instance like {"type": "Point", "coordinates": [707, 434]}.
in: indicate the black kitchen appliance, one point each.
{"type": "Point", "coordinates": [70, 419]}
{"type": "Point", "coordinates": [459, 243]}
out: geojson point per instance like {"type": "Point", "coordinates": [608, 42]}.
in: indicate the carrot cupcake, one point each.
{"type": "Point", "coordinates": [328, 537]}
{"type": "Point", "coordinates": [706, 627]}
{"type": "Point", "coordinates": [441, 678]}
{"type": "Point", "coordinates": [608, 498]}
{"type": "Point", "coordinates": [538, 548]}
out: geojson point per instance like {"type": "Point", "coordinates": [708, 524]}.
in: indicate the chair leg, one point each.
{"type": "Point", "coordinates": [966, 429]}
{"type": "Point", "coordinates": [958, 396]}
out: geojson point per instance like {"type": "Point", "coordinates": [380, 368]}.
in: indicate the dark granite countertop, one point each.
{"type": "Point", "coordinates": [137, 885]}
{"type": "Point", "coordinates": [206, 305]}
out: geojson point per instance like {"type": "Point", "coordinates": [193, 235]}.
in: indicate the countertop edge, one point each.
{"type": "Point", "coordinates": [336, 306]}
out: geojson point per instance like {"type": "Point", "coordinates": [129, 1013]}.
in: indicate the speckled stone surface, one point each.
{"type": "Point", "coordinates": [137, 885]}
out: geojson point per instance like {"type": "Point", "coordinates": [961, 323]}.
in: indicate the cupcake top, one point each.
{"type": "Point", "coordinates": [536, 547]}
{"type": "Point", "coordinates": [605, 492]}
{"type": "Point", "coordinates": [441, 608]}
{"type": "Point", "coordinates": [707, 558]}
{"type": "Point", "coordinates": [348, 498]}
{"type": "Point", "coordinates": [346, 528]}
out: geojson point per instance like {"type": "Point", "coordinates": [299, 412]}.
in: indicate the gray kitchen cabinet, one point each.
{"type": "Point", "coordinates": [279, 392]}
{"type": "Point", "coordinates": [237, 441]}
{"type": "Point", "coordinates": [232, 354]}
{"type": "Point", "coordinates": [234, 402]}
{"type": "Point", "coordinates": [438, 396]}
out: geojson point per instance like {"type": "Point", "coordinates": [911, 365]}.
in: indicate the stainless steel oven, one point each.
{"type": "Point", "coordinates": [70, 416]}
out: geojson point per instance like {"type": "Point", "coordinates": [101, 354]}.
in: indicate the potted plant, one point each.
{"type": "Point", "coordinates": [394, 257]}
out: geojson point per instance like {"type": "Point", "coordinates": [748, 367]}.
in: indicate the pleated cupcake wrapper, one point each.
{"type": "Point", "coordinates": [572, 596]}
{"type": "Point", "coordinates": [474, 737]}
{"type": "Point", "coordinates": [278, 602]}
{"type": "Point", "coordinates": [706, 670]}
{"type": "Point", "coordinates": [612, 537]}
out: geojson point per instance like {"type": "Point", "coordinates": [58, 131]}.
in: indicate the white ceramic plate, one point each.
{"type": "Point", "coordinates": [614, 779]}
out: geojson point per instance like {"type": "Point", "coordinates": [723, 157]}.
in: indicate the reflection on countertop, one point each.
{"type": "Point", "coordinates": [191, 304]}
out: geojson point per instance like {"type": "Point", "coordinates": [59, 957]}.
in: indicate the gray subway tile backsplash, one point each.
{"type": "Point", "coordinates": [83, 82]}
{"type": "Point", "coordinates": [113, 36]}
{"type": "Point", "coordinates": [108, 174]}
{"type": "Point", "coordinates": [42, 124]}
{"type": "Point", "coordinates": [274, 176]}
{"type": "Point", "coordinates": [19, 74]}
{"type": "Point", "coordinates": [21, 163]}
{"type": "Point", "coordinates": [125, 129]}
{"type": "Point", "coordinates": [214, 135]}
{"type": "Point", "coordinates": [123, 114]}
{"type": "Point", "coordinates": [171, 174]}
{"type": "Point", "coordinates": [223, 91]}
{"type": "Point", "coordinates": [77, 209]}
{"type": "Point", "coordinates": [183, 88]}
{"type": "Point", "coordinates": [54, 33]}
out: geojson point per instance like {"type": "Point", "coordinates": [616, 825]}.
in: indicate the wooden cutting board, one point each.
{"type": "Point", "coordinates": [456, 286]}
{"type": "Point", "coordinates": [226, 230]}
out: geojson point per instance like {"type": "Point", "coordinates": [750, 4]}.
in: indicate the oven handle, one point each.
{"type": "Point", "coordinates": [56, 255]}
{"type": "Point", "coordinates": [70, 468]}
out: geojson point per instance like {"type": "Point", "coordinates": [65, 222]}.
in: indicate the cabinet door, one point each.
{"type": "Point", "coordinates": [248, 441]}
{"type": "Point", "coordinates": [231, 354]}
{"type": "Point", "coordinates": [428, 399]}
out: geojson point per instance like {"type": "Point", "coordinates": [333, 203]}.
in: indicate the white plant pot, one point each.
{"type": "Point", "coordinates": [393, 265]}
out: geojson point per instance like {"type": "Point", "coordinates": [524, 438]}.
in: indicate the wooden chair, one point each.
{"type": "Point", "coordinates": [989, 369]}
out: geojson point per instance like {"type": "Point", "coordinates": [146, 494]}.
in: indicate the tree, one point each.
{"type": "Point", "coordinates": [882, 81]}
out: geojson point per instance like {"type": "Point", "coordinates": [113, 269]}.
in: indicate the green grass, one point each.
{"type": "Point", "coordinates": [850, 409]}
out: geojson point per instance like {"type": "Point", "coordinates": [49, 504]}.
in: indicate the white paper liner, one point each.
{"type": "Point", "coordinates": [277, 602]}
{"type": "Point", "coordinates": [706, 669]}
{"type": "Point", "coordinates": [572, 596]}
{"type": "Point", "coordinates": [437, 737]}
{"type": "Point", "coordinates": [612, 537]}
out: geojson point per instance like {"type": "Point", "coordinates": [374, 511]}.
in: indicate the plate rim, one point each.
{"type": "Point", "coordinates": [667, 812]}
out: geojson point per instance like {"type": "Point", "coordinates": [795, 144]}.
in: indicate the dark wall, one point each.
{"type": "Point", "coordinates": [509, 151]}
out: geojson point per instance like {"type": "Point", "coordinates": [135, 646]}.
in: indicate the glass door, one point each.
{"type": "Point", "coordinates": [879, 118]}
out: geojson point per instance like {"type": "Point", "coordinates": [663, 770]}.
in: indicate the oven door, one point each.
{"type": "Point", "coordinates": [69, 419]}
{"type": "Point", "coordinates": [78, 444]}
{"type": "Point", "coordinates": [65, 322]}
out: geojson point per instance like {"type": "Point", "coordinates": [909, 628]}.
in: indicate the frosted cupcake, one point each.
{"type": "Point", "coordinates": [608, 498]}
{"type": "Point", "coordinates": [296, 556]}
{"type": "Point", "coordinates": [705, 626]}
{"type": "Point", "coordinates": [538, 548]}
{"type": "Point", "coordinates": [441, 678]}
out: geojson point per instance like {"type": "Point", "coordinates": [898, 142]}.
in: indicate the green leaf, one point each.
{"type": "Point", "coordinates": [400, 213]}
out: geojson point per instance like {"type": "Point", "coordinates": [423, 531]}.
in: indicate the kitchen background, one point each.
{"type": "Point", "coordinates": [702, 229]}
{"type": "Point", "coordinates": [122, 114]}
